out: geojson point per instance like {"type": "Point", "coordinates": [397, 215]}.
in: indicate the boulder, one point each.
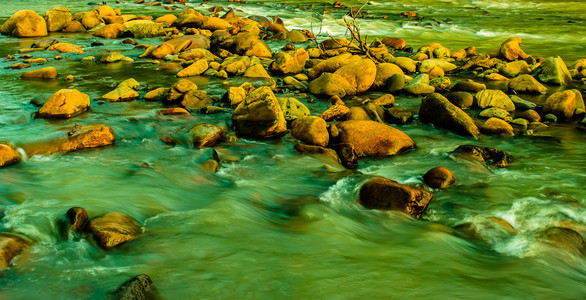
{"type": "Point", "coordinates": [311, 149]}
{"type": "Point", "coordinates": [514, 69]}
{"type": "Point", "coordinates": [429, 64]}
{"type": "Point", "coordinates": [64, 104]}
{"type": "Point", "coordinates": [553, 70]}
{"type": "Point", "coordinates": [356, 113]}
{"type": "Point", "coordinates": [398, 115]}
{"type": "Point", "coordinates": [195, 100]}
{"type": "Point", "coordinates": [11, 245]}
{"type": "Point", "coordinates": [486, 155]}
{"type": "Point", "coordinates": [114, 57]}
{"type": "Point", "coordinates": [173, 111]}
{"type": "Point", "coordinates": [407, 64]}
{"type": "Point", "coordinates": [65, 48]}
{"type": "Point", "coordinates": [526, 84]}
{"type": "Point", "coordinates": [335, 112]}
{"type": "Point", "coordinates": [289, 63]}
{"type": "Point", "coordinates": [156, 94]}
{"type": "Point", "coordinates": [419, 85]}
{"type": "Point", "coordinates": [113, 229]}
{"type": "Point", "coordinates": [493, 98]}
{"type": "Point", "coordinates": [122, 93]}
{"type": "Point", "coordinates": [234, 96]}
{"type": "Point", "coordinates": [79, 137]}
{"type": "Point", "coordinates": [511, 49]}
{"type": "Point", "coordinates": [563, 104]}
{"type": "Point", "coordinates": [166, 19]}
{"type": "Point", "coordinates": [44, 73]}
{"type": "Point", "coordinates": [469, 86]}
{"type": "Point", "coordinates": [360, 74]}
{"type": "Point", "coordinates": [250, 45]}
{"type": "Point", "coordinates": [371, 138]}
{"type": "Point", "coordinates": [496, 126]}
{"type": "Point", "coordinates": [105, 11]}
{"type": "Point", "coordinates": [112, 31]}
{"type": "Point", "coordinates": [439, 178]}
{"type": "Point", "coordinates": [437, 110]}
{"type": "Point", "coordinates": [259, 115]}
{"type": "Point", "coordinates": [147, 29]}
{"type": "Point", "coordinates": [73, 27]}
{"type": "Point", "coordinates": [57, 18]}
{"type": "Point", "coordinates": [395, 83]}
{"type": "Point", "coordinates": [384, 71]}
{"type": "Point", "coordinates": [195, 69]}
{"type": "Point", "coordinates": [179, 89]}
{"type": "Point", "coordinates": [8, 155]}
{"type": "Point", "coordinates": [292, 108]}
{"type": "Point", "coordinates": [214, 23]}
{"type": "Point", "coordinates": [522, 104]}
{"type": "Point", "coordinates": [25, 23]}
{"type": "Point", "coordinates": [191, 20]}
{"type": "Point", "coordinates": [494, 112]}
{"type": "Point", "coordinates": [257, 71]}
{"type": "Point", "coordinates": [441, 84]}
{"type": "Point", "coordinates": [332, 64]}
{"type": "Point", "coordinates": [386, 101]}
{"type": "Point", "coordinates": [329, 84]}
{"type": "Point", "coordinates": [205, 135]}
{"type": "Point", "coordinates": [394, 43]}
{"type": "Point", "coordinates": [311, 130]}
{"type": "Point", "coordinates": [235, 65]}
{"type": "Point", "coordinates": [89, 19]}
{"type": "Point", "coordinates": [564, 239]}
{"type": "Point", "coordinates": [138, 287]}
{"type": "Point", "coordinates": [385, 194]}
{"type": "Point", "coordinates": [461, 99]}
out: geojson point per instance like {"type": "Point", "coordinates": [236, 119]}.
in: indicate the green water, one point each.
{"type": "Point", "coordinates": [276, 224]}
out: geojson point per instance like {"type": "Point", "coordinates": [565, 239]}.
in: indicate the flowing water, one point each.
{"type": "Point", "coordinates": [276, 224]}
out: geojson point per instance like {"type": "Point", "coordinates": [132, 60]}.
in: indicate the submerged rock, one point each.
{"type": "Point", "coordinates": [44, 73]}
{"type": "Point", "coordinates": [487, 155]}
{"type": "Point", "coordinates": [439, 178]}
{"type": "Point", "coordinates": [565, 239]}
{"type": "Point", "coordinates": [386, 194]}
{"type": "Point", "coordinates": [113, 229]}
{"type": "Point", "coordinates": [206, 135]}
{"type": "Point", "coordinates": [139, 287]}
{"type": "Point", "coordinates": [11, 245]}
{"type": "Point", "coordinates": [437, 110]}
{"type": "Point", "coordinates": [259, 115]}
{"type": "Point", "coordinates": [8, 155]}
{"type": "Point", "coordinates": [370, 138]}
{"type": "Point", "coordinates": [64, 104]}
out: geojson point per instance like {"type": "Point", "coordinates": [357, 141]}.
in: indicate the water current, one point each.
{"type": "Point", "coordinates": [272, 223]}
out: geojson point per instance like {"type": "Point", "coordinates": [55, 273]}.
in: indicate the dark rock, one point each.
{"type": "Point", "coordinates": [113, 229]}
{"type": "Point", "coordinates": [437, 110]}
{"type": "Point", "coordinates": [439, 178]}
{"type": "Point", "coordinates": [487, 155]}
{"type": "Point", "coordinates": [461, 99]}
{"type": "Point", "coordinates": [564, 238]}
{"type": "Point", "coordinates": [398, 115]}
{"type": "Point", "coordinates": [8, 155]}
{"type": "Point", "coordinates": [346, 154]}
{"type": "Point", "coordinates": [371, 138]}
{"type": "Point", "coordinates": [205, 135]}
{"type": "Point", "coordinates": [11, 245]}
{"type": "Point", "coordinates": [139, 287]}
{"type": "Point", "coordinates": [386, 194]}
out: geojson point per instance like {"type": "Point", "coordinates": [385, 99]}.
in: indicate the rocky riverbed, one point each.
{"type": "Point", "coordinates": [206, 135]}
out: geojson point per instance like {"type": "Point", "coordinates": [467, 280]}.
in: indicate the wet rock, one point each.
{"type": "Point", "coordinates": [563, 104]}
{"type": "Point", "coordinates": [122, 93]}
{"type": "Point", "coordinates": [522, 104]}
{"type": "Point", "coordinates": [89, 19]}
{"type": "Point", "coordinates": [441, 84]}
{"type": "Point", "coordinates": [259, 115]}
{"type": "Point", "coordinates": [398, 115]}
{"type": "Point", "coordinates": [494, 112]}
{"type": "Point", "coordinates": [437, 110]}
{"type": "Point", "coordinates": [356, 113]}
{"type": "Point", "coordinates": [257, 71]}
{"type": "Point", "coordinates": [57, 18]}
{"type": "Point", "coordinates": [486, 155]}
{"type": "Point", "coordinates": [371, 138]}
{"type": "Point", "coordinates": [495, 77]}
{"type": "Point", "coordinates": [11, 245]}
{"type": "Point", "coordinates": [564, 238]}
{"type": "Point", "coordinates": [114, 57]}
{"type": "Point", "coordinates": [64, 104]}
{"type": "Point", "coordinates": [8, 155]}
{"type": "Point", "coordinates": [112, 31]}
{"type": "Point", "coordinates": [360, 74]}
{"type": "Point", "coordinates": [395, 83]}
{"type": "Point", "coordinates": [419, 85]}
{"type": "Point", "coordinates": [105, 11]}
{"type": "Point", "coordinates": [461, 99]}
{"type": "Point", "coordinates": [250, 45]}
{"type": "Point", "coordinates": [511, 49]}
{"type": "Point", "coordinates": [494, 98]}
{"type": "Point", "coordinates": [44, 73]}
{"type": "Point", "coordinates": [234, 96]}
{"type": "Point", "coordinates": [487, 229]}
{"type": "Point", "coordinates": [429, 64]}
{"type": "Point", "coordinates": [195, 100]}
{"type": "Point", "coordinates": [206, 135]}
{"type": "Point", "coordinates": [386, 101]}
{"type": "Point", "coordinates": [214, 24]}
{"type": "Point", "coordinates": [312, 149]}
{"type": "Point", "coordinates": [173, 111]}
{"type": "Point", "coordinates": [292, 108]}
{"type": "Point", "coordinates": [195, 69]}
{"type": "Point", "coordinates": [77, 217]}
{"type": "Point", "coordinates": [407, 64]}
{"type": "Point", "coordinates": [329, 84]}
{"type": "Point", "coordinates": [142, 29]}
{"type": "Point", "coordinates": [297, 36]}
{"type": "Point", "coordinates": [65, 48]}
{"type": "Point", "coordinates": [526, 84]}
{"type": "Point", "coordinates": [469, 86]}
{"type": "Point", "coordinates": [24, 23]}
{"type": "Point", "coordinates": [179, 89]}
{"type": "Point", "coordinates": [192, 20]}
{"type": "Point", "coordinates": [386, 194]}
{"type": "Point", "coordinates": [384, 71]}
{"type": "Point", "coordinates": [156, 95]}
{"type": "Point", "coordinates": [235, 65]}
{"type": "Point", "coordinates": [394, 43]}
{"type": "Point", "coordinates": [166, 19]}
{"type": "Point", "coordinates": [289, 63]}
{"type": "Point", "coordinates": [73, 27]}
{"type": "Point", "coordinates": [113, 229]}
{"type": "Point", "coordinates": [439, 178]}
{"type": "Point", "coordinates": [514, 69]}
{"type": "Point", "coordinates": [311, 130]}
{"type": "Point", "coordinates": [496, 126]}
{"type": "Point", "coordinates": [335, 112]}
{"type": "Point", "coordinates": [139, 287]}
{"type": "Point", "coordinates": [79, 137]}
{"type": "Point", "coordinates": [332, 64]}
{"type": "Point", "coordinates": [553, 70]}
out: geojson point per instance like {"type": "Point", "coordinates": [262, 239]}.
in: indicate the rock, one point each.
{"type": "Point", "coordinates": [25, 23]}
{"type": "Point", "coordinates": [428, 64]}
{"type": "Point", "coordinates": [289, 63]}
{"type": "Point", "coordinates": [311, 149]}
{"type": "Point", "coordinates": [494, 98]}
{"type": "Point", "coordinates": [526, 84]}
{"type": "Point", "coordinates": [329, 84]}
{"type": "Point", "coordinates": [335, 112]}
{"type": "Point", "coordinates": [44, 73]}
{"type": "Point", "coordinates": [468, 85]}
{"type": "Point", "coordinates": [259, 115]}
{"type": "Point", "coordinates": [346, 154]}
{"type": "Point", "coordinates": [494, 112]}
{"type": "Point", "coordinates": [297, 36]}
{"type": "Point", "coordinates": [522, 104]}
{"type": "Point", "coordinates": [162, 51]}
{"type": "Point", "coordinates": [529, 115]}
{"type": "Point", "coordinates": [436, 72]}
{"type": "Point", "coordinates": [437, 110]}
{"type": "Point", "coordinates": [73, 27]}
{"type": "Point", "coordinates": [123, 93]}
{"type": "Point", "coordinates": [360, 74]}
{"type": "Point", "coordinates": [356, 113]}
{"type": "Point", "coordinates": [11, 245]}
{"type": "Point", "coordinates": [166, 19]}
{"type": "Point", "coordinates": [138, 287]}
{"type": "Point", "coordinates": [398, 115]}
{"type": "Point", "coordinates": [257, 71]}
{"type": "Point", "coordinates": [292, 109]}
{"type": "Point", "coordinates": [511, 49]}
{"type": "Point", "coordinates": [496, 126]}
{"type": "Point", "coordinates": [113, 229]}
{"type": "Point", "coordinates": [419, 85]}
{"type": "Point", "coordinates": [130, 82]}
{"type": "Point", "coordinates": [189, 42]}
{"type": "Point", "coordinates": [486, 155]}
{"type": "Point", "coordinates": [514, 69]}
{"type": "Point", "coordinates": [112, 58]}
{"type": "Point", "coordinates": [112, 31]}
{"type": "Point", "coordinates": [191, 20]}
{"type": "Point", "coordinates": [461, 99]}
{"type": "Point", "coordinates": [195, 100]}
{"type": "Point", "coordinates": [564, 238]}
{"type": "Point", "coordinates": [250, 45]}
{"type": "Point", "coordinates": [294, 84]}
{"type": "Point", "coordinates": [205, 135]}
{"type": "Point", "coordinates": [407, 64]}
{"type": "Point", "coordinates": [234, 96]}
{"type": "Point", "coordinates": [441, 84]}
{"type": "Point", "coordinates": [144, 30]}
{"type": "Point", "coordinates": [57, 18]}
{"type": "Point", "coordinates": [214, 24]}
{"type": "Point", "coordinates": [386, 101]}
{"type": "Point", "coordinates": [64, 104]}
{"type": "Point", "coordinates": [156, 94]}
{"type": "Point", "coordinates": [195, 69]}
{"type": "Point", "coordinates": [386, 194]}
{"type": "Point", "coordinates": [89, 19]}
{"type": "Point", "coordinates": [332, 64]}
{"type": "Point", "coordinates": [65, 48]}
{"type": "Point", "coordinates": [395, 83]}
{"type": "Point", "coordinates": [311, 130]}
{"type": "Point", "coordinates": [563, 104]}
{"type": "Point", "coordinates": [439, 178]}
{"type": "Point", "coordinates": [77, 218]}
{"type": "Point", "coordinates": [8, 155]}
{"type": "Point", "coordinates": [173, 111]}
{"type": "Point", "coordinates": [394, 43]}
{"type": "Point", "coordinates": [553, 70]}
{"type": "Point", "coordinates": [105, 11]}
{"type": "Point", "coordinates": [79, 137]}
{"type": "Point", "coordinates": [384, 71]}
{"type": "Point", "coordinates": [235, 65]}
{"type": "Point", "coordinates": [371, 138]}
